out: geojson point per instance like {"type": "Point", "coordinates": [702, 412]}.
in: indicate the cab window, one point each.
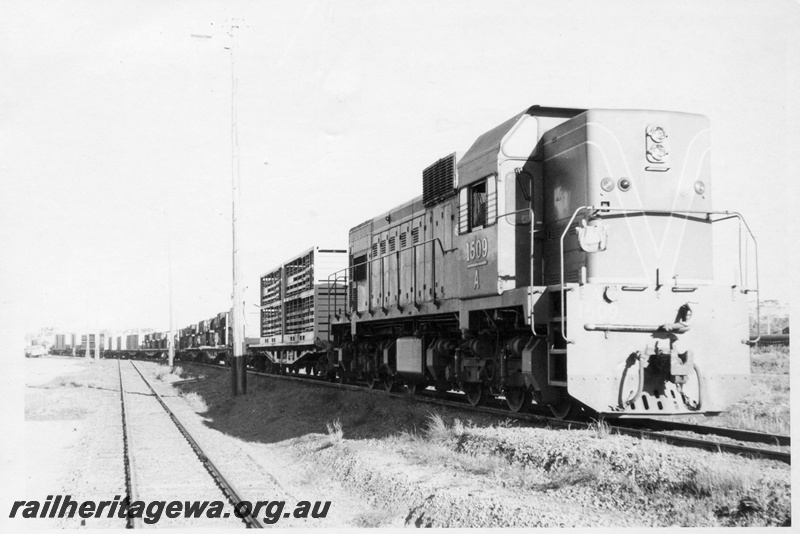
{"type": "Point", "coordinates": [478, 205]}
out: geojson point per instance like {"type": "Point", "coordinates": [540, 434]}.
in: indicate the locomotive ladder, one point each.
{"type": "Point", "coordinates": [556, 347]}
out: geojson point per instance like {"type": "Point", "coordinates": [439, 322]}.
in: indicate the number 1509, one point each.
{"type": "Point", "coordinates": [478, 249]}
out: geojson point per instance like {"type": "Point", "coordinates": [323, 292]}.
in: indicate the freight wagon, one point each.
{"type": "Point", "coordinates": [296, 303]}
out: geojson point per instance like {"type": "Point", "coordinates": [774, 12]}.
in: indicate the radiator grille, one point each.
{"type": "Point", "coordinates": [438, 181]}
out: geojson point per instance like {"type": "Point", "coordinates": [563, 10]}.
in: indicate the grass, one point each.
{"type": "Point", "coordinates": [692, 488]}
{"type": "Point", "coordinates": [766, 407]}
{"type": "Point", "coordinates": [686, 488]}
{"type": "Point", "coordinates": [716, 479]}
{"type": "Point", "coordinates": [771, 359]}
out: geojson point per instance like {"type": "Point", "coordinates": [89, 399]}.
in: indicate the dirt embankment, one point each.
{"type": "Point", "coordinates": [384, 461]}
{"type": "Point", "coordinates": [414, 465]}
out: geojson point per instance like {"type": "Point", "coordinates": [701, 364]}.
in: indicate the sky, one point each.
{"type": "Point", "coordinates": [115, 128]}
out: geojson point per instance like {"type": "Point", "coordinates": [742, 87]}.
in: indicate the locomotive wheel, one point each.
{"type": "Point", "coordinates": [340, 378]}
{"type": "Point", "coordinates": [566, 408]}
{"type": "Point", "coordinates": [412, 388]}
{"type": "Point", "coordinates": [518, 399]}
{"type": "Point", "coordinates": [476, 394]}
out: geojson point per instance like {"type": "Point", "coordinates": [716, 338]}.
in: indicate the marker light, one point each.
{"type": "Point", "coordinates": [657, 152]}
{"type": "Point", "coordinates": [607, 184]}
{"type": "Point", "coordinates": [657, 133]}
{"type": "Point", "coordinates": [699, 187]}
{"type": "Point", "coordinates": [624, 184]}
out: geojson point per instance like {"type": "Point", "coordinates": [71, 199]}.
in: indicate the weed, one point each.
{"type": "Point", "coordinates": [436, 430]}
{"type": "Point", "coordinates": [600, 429]}
{"type": "Point", "coordinates": [458, 427]}
{"type": "Point", "coordinates": [505, 423]}
{"type": "Point", "coordinates": [335, 432]}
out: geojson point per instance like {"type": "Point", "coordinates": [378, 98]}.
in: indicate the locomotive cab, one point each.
{"type": "Point", "coordinates": [640, 327]}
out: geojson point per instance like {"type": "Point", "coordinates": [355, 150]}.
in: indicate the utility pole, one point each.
{"type": "Point", "coordinates": [236, 318]}
{"type": "Point", "coordinates": [238, 372]}
{"type": "Point", "coordinates": [171, 340]}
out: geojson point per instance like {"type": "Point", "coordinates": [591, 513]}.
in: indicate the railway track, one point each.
{"type": "Point", "coordinates": [648, 429]}
{"type": "Point", "coordinates": [163, 462]}
{"type": "Point", "coordinates": [732, 433]}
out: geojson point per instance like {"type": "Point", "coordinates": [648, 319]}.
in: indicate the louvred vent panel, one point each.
{"type": "Point", "coordinates": [439, 181]}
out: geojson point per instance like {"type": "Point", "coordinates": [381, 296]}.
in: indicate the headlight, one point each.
{"type": "Point", "coordinates": [657, 152]}
{"type": "Point", "coordinates": [657, 133]}
{"type": "Point", "coordinates": [656, 147]}
{"type": "Point", "coordinates": [607, 184]}
{"type": "Point", "coordinates": [699, 187]}
{"type": "Point", "coordinates": [624, 184]}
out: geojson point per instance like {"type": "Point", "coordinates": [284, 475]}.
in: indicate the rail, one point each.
{"type": "Point", "coordinates": [726, 215]}
{"type": "Point", "coordinates": [430, 397]}
{"type": "Point", "coordinates": [227, 488]}
{"type": "Point", "coordinates": [131, 520]}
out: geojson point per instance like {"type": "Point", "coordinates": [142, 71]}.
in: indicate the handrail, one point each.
{"type": "Point", "coordinates": [533, 231]}
{"type": "Point", "coordinates": [396, 253]}
{"type": "Point", "coordinates": [561, 257]}
{"type": "Point", "coordinates": [726, 216]}
{"type": "Point", "coordinates": [737, 215]}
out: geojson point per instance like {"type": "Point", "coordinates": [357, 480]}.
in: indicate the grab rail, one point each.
{"type": "Point", "coordinates": [347, 270]}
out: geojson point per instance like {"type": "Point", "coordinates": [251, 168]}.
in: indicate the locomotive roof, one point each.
{"type": "Point", "coordinates": [395, 214]}
{"type": "Point", "coordinates": [481, 158]}
{"type": "Point", "coordinates": [479, 161]}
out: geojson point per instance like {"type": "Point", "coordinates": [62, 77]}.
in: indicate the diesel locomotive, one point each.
{"type": "Point", "coordinates": [566, 258]}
